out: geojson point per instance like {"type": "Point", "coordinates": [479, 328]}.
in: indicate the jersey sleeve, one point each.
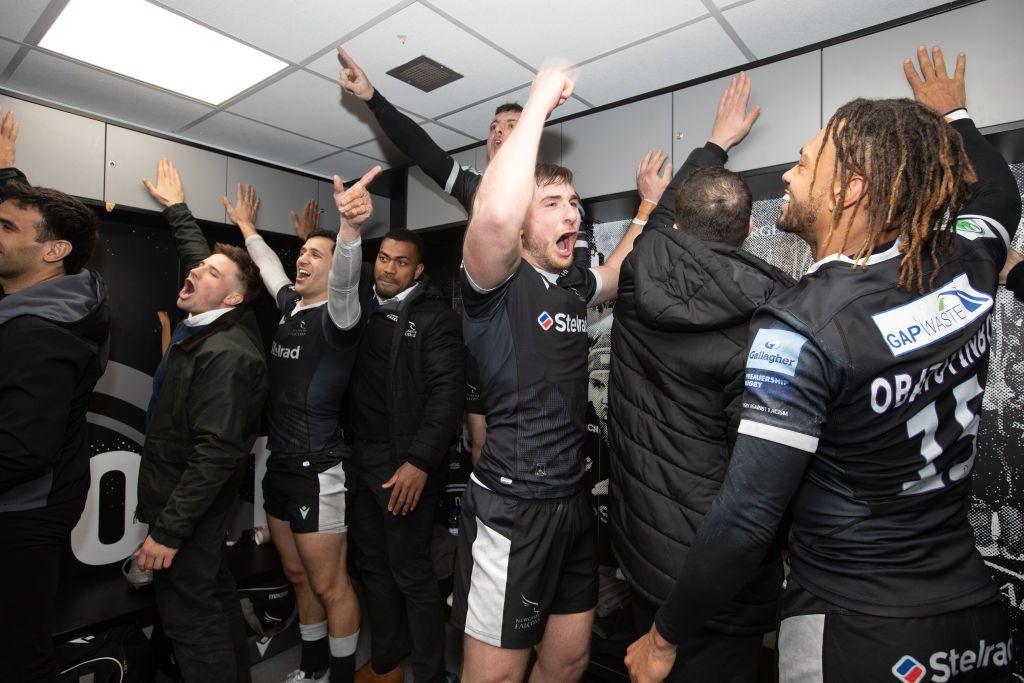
{"type": "Point", "coordinates": [474, 402]}
{"type": "Point", "coordinates": [482, 303]}
{"type": "Point", "coordinates": [993, 211]}
{"type": "Point", "coordinates": [409, 137]}
{"type": "Point", "coordinates": [788, 384]}
{"type": "Point", "coordinates": [286, 299]}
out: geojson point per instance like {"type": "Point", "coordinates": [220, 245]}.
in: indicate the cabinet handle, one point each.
{"type": "Point", "coordinates": [112, 163]}
{"type": "Point", "coordinates": [679, 136]}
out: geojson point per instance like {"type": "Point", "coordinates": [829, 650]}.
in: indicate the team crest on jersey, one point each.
{"type": "Point", "coordinates": [909, 670]}
{"type": "Point", "coordinates": [973, 228]}
{"type": "Point", "coordinates": [932, 317]}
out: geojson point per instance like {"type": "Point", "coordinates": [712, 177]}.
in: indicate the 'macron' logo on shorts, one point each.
{"type": "Point", "coordinates": [909, 670]}
{"type": "Point", "coordinates": [545, 321]}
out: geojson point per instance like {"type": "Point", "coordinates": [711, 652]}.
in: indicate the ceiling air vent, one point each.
{"type": "Point", "coordinates": [424, 73]}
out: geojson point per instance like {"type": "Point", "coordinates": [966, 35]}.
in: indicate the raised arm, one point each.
{"type": "Point", "coordinates": [355, 206]}
{"type": "Point", "coordinates": [492, 247]}
{"type": "Point", "coordinates": [407, 135]}
{"type": "Point", "coordinates": [995, 198]}
{"type": "Point", "coordinates": [652, 175]}
{"type": "Point", "coordinates": [170, 193]}
{"type": "Point", "coordinates": [8, 146]}
{"type": "Point", "coordinates": [243, 214]}
{"type": "Point", "coordinates": [732, 123]}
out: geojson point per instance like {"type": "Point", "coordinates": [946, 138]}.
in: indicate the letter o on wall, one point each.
{"type": "Point", "coordinates": [114, 491]}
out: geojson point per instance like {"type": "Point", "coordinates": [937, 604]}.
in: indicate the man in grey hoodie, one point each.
{"type": "Point", "coordinates": [54, 323]}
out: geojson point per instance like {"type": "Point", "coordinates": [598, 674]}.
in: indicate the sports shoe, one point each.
{"type": "Point", "coordinates": [366, 674]}
{"type": "Point", "coordinates": [137, 577]}
{"type": "Point", "coordinates": [300, 676]}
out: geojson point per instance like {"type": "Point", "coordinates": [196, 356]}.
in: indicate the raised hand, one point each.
{"type": "Point", "coordinates": [168, 189]}
{"type": "Point", "coordinates": [243, 212]}
{"type": "Point", "coordinates": [8, 138]}
{"type": "Point", "coordinates": [352, 78]}
{"type": "Point", "coordinates": [550, 89]}
{"type": "Point", "coordinates": [933, 87]}
{"type": "Point", "coordinates": [355, 204]}
{"type": "Point", "coordinates": [732, 120]}
{"type": "Point", "coordinates": [309, 222]}
{"type": "Point", "coordinates": [651, 177]}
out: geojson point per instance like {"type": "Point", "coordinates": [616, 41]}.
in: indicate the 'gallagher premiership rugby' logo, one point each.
{"type": "Point", "coordinates": [932, 317]}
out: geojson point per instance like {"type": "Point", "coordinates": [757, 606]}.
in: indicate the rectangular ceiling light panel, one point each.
{"type": "Point", "coordinates": [150, 44]}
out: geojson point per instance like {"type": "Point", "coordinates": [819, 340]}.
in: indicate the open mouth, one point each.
{"type": "Point", "coordinates": [187, 289]}
{"type": "Point", "coordinates": [565, 243]}
{"type": "Point", "coordinates": [302, 275]}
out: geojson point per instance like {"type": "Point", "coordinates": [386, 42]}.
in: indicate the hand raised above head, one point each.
{"type": "Point", "coordinates": [243, 212]}
{"type": "Point", "coordinates": [732, 119]}
{"type": "Point", "coordinates": [933, 87]}
{"type": "Point", "coordinates": [550, 89]}
{"type": "Point", "coordinates": [355, 204]}
{"type": "Point", "coordinates": [352, 79]}
{"type": "Point", "coordinates": [653, 175]}
{"type": "Point", "coordinates": [168, 189]}
{"type": "Point", "coordinates": [8, 139]}
{"type": "Point", "coordinates": [309, 222]}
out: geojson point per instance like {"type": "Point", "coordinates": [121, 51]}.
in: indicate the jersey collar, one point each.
{"type": "Point", "coordinates": [890, 253]}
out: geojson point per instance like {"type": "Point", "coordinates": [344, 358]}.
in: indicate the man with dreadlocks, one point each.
{"type": "Point", "coordinates": [863, 388]}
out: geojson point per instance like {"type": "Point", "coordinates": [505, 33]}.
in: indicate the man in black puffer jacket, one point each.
{"type": "Point", "coordinates": [405, 409]}
{"type": "Point", "coordinates": [679, 339]}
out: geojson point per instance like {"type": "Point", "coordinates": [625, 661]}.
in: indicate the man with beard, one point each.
{"type": "Point", "coordinates": [526, 569]}
{"type": "Point", "coordinates": [405, 409]}
{"type": "Point", "coordinates": [310, 363]}
{"type": "Point", "coordinates": [864, 385]}
{"type": "Point", "coordinates": [54, 323]}
{"type": "Point", "coordinates": [203, 417]}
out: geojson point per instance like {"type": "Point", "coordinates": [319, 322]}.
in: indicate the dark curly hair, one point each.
{"type": "Point", "coordinates": [64, 218]}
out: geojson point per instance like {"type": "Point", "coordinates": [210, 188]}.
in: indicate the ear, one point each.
{"type": "Point", "coordinates": [419, 271]}
{"type": "Point", "coordinates": [855, 191]}
{"type": "Point", "coordinates": [56, 251]}
{"type": "Point", "coordinates": [233, 299]}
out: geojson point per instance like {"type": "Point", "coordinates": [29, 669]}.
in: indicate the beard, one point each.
{"type": "Point", "coordinates": [798, 219]}
{"type": "Point", "coordinates": [543, 258]}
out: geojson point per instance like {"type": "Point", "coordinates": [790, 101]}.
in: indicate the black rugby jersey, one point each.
{"type": "Point", "coordinates": [310, 363]}
{"type": "Point", "coordinates": [861, 410]}
{"type": "Point", "coordinates": [529, 339]}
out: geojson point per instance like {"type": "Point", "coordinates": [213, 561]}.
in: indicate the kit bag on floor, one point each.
{"type": "Point", "coordinates": [118, 655]}
{"type": "Point", "coordinates": [269, 607]}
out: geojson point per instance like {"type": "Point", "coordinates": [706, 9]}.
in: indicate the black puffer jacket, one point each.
{"type": "Point", "coordinates": [679, 344]}
{"type": "Point", "coordinates": [426, 382]}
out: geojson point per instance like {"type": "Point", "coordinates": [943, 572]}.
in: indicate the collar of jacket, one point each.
{"type": "Point", "coordinates": [228, 320]}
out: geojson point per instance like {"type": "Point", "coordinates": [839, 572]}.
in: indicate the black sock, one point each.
{"type": "Point", "coordinates": [315, 656]}
{"type": "Point", "coordinates": [343, 669]}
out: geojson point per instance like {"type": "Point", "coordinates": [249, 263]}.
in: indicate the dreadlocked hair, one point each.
{"type": "Point", "coordinates": [917, 173]}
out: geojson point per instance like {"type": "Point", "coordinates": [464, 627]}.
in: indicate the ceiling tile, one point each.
{"type": "Point", "coordinates": [477, 119]}
{"type": "Point", "coordinates": [252, 139]}
{"type": "Point", "coordinates": [485, 71]}
{"type": "Point", "coordinates": [19, 16]}
{"type": "Point", "coordinates": [311, 106]}
{"type": "Point", "coordinates": [521, 32]}
{"type": "Point", "coordinates": [7, 51]}
{"type": "Point", "coordinates": [91, 90]}
{"type": "Point", "coordinates": [771, 27]}
{"type": "Point", "coordinates": [690, 52]}
{"type": "Point", "coordinates": [294, 30]}
{"type": "Point", "coordinates": [348, 165]}
{"type": "Point", "coordinates": [447, 138]}
{"type": "Point", "coordinates": [382, 149]}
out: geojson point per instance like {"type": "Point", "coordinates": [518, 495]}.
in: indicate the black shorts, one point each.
{"type": "Point", "coordinates": [519, 561]}
{"type": "Point", "coordinates": [308, 492]}
{"type": "Point", "coordinates": [819, 641]}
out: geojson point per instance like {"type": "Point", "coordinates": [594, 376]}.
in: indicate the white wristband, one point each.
{"type": "Point", "coordinates": [639, 222]}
